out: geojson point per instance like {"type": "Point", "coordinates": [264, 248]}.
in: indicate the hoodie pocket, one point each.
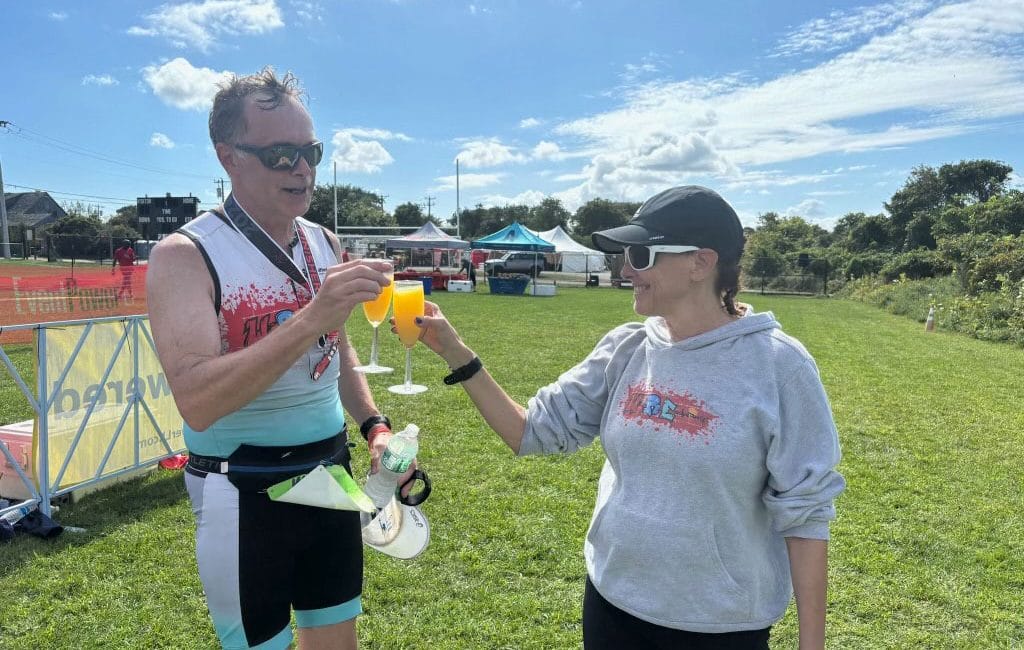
{"type": "Point", "coordinates": [741, 597]}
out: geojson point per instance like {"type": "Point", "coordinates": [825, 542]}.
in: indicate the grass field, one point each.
{"type": "Point", "coordinates": [926, 550]}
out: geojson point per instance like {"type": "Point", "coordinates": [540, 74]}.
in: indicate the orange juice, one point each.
{"type": "Point", "coordinates": [377, 310]}
{"type": "Point", "coordinates": [408, 304]}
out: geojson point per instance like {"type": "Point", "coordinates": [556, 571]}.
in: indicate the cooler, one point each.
{"type": "Point", "coordinates": [17, 438]}
{"type": "Point", "coordinates": [460, 286]}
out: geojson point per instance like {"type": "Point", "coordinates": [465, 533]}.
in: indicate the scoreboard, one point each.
{"type": "Point", "coordinates": [160, 216]}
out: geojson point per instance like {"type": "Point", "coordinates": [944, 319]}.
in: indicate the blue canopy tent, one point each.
{"type": "Point", "coordinates": [515, 237]}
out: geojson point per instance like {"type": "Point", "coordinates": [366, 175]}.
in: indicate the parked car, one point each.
{"type": "Point", "coordinates": [515, 263]}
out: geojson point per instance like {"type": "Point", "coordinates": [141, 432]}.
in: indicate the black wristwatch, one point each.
{"type": "Point", "coordinates": [464, 372]}
{"type": "Point", "coordinates": [371, 422]}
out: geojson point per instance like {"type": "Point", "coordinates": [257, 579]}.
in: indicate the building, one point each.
{"type": "Point", "coordinates": [30, 210]}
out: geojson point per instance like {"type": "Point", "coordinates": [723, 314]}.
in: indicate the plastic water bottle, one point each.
{"type": "Point", "coordinates": [16, 515]}
{"type": "Point", "coordinates": [400, 452]}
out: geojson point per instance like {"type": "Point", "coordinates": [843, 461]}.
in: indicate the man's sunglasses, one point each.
{"type": "Point", "coordinates": [285, 156]}
{"type": "Point", "coordinates": [641, 258]}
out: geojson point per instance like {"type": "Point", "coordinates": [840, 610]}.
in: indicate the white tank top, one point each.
{"type": "Point", "coordinates": [253, 295]}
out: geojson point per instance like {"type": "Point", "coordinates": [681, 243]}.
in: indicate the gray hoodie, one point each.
{"type": "Point", "coordinates": [718, 447]}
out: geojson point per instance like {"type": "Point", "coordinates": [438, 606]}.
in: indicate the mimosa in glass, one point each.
{"type": "Point", "coordinates": [376, 312]}
{"type": "Point", "coordinates": [408, 306]}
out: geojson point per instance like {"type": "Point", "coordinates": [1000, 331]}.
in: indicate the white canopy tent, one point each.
{"type": "Point", "coordinates": [576, 258]}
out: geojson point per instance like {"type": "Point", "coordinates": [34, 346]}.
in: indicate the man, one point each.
{"type": "Point", "coordinates": [125, 256]}
{"type": "Point", "coordinates": [247, 305]}
{"type": "Point", "coordinates": [468, 268]}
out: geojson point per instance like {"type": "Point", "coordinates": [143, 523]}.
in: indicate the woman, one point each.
{"type": "Point", "coordinates": [714, 503]}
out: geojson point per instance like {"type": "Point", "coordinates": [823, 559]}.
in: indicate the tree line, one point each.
{"type": "Point", "coordinates": [958, 218]}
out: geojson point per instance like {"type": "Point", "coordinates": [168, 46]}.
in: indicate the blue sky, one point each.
{"type": "Point", "coordinates": [807, 108]}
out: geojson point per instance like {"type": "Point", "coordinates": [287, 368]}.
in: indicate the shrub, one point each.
{"type": "Point", "coordinates": [915, 265]}
{"type": "Point", "coordinates": [864, 264]}
{"type": "Point", "coordinates": [1005, 259]}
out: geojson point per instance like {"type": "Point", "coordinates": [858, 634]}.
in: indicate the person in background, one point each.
{"type": "Point", "coordinates": [125, 256]}
{"type": "Point", "coordinates": [715, 498]}
{"type": "Point", "coordinates": [247, 305]}
{"type": "Point", "coordinates": [468, 268]}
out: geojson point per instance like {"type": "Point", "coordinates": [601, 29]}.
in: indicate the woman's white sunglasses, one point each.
{"type": "Point", "coordinates": [641, 258]}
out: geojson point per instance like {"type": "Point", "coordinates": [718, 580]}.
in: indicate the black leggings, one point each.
{"type": "Point", "coordinates": [606, 627]}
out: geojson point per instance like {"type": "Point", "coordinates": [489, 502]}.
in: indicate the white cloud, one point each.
{"type": "Point", "coordinates": [547, 151]}
{"type": "Point", "coordinates": [99, 80]}
{"type": "Point", "coordinates": [930, 75]}
{"type": "Point", "coordinates": [649, 65]}
{"type": "Point", "coordinates": [161, 140]}
{"type": "Point", "coordinates": [488, 153]}
{"type": "Point", "coordinates": [809, 209]}
{"type": "Point", "coordinates": [466, 181]}
{"type": "Point", "coordinates": [202, 24]}
{"type": "Point", "coordinates": [308, 11]}
{"type": "Point", "coordinates": [361, 156]}
{"type": "Point", "coordinates": [529, 123]}
{"type": "Point", "coordinates": [529, 197]}
{"type": "Point", "coordinates": [841, 28]}
{"type": "Point", "coordinates": [375, 134]}
{"type": "Point", "coordinates": [178, 83]}
{"type": "Point", "coordinates": [58, 15]}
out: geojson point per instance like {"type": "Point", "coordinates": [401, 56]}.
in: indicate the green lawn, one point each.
{"type": "Point", "coordinates": [926, 552]}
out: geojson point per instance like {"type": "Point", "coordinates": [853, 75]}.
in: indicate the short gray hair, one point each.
{"type": "Point", "coordinates": [227, 117]}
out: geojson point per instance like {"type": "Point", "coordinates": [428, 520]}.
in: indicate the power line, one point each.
{"type": "Point", "coordinates": [85, 196]}
{"type": "Point", "coordinates": [38, 138]}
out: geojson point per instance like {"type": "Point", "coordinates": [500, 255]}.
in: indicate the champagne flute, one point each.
{"type": "Point", "coordinates": [376, 312]}
{"type": "Point", "coordinates": [408, 307]}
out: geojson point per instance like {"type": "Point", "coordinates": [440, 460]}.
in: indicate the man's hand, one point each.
{"type": "Point", "coordinates": [344, 286]}
{"type": "Point", "coordinates": [380, 443]}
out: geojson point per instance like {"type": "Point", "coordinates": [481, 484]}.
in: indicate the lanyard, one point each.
{"type": "Point", "coordinates": [314, 280]}
{"type": "Point", "coordinates": [244, 224]}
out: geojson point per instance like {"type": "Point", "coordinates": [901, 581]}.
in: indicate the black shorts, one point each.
{"type": "Point", "coordinates": [260, 559]}
{"type": "Point", "coordinates": [606, 627]}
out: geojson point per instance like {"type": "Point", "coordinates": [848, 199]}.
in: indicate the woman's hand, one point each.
{"type": "Point", "coordinates": [438, 334]}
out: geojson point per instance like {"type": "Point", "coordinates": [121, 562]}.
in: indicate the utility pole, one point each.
{"type": "Point", "coordinates": [335, 197]}
{"type": "Point", "coordinates": [458, 217]}
{"type": "Point", "coordinates": [430, 201]}
{"type": "Point", "coordinates": [219, 184]}
{"type": "Point", "coordinates": [382, 197]}
{"type": "Point", "coordinates": [5, 239]}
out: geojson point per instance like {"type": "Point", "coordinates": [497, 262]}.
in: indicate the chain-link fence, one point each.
{"type": "Point", "coordinates": [804, 284]}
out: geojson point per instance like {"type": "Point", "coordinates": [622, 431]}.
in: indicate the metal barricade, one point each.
{"type": "Point", "coordinates": [100, 372]}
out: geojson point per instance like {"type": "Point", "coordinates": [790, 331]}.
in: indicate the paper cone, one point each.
{"type": "Point", "coordinates": [324, 487]}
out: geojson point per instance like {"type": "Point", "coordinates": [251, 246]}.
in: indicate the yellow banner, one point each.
{"type": "Point", "coordinates": [97, 391]}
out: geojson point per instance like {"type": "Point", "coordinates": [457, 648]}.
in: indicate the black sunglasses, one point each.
{"type": "Point", "coordinates": [285, 156]}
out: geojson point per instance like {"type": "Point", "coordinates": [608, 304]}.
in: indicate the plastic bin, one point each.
{"type": "Point", "coordinates": [508, 286]}
{"type": "Point", "coordinates": [428, 284]}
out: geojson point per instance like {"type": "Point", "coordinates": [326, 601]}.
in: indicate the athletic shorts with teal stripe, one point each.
{"type": "Point", "coordinates": [259, 559]}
